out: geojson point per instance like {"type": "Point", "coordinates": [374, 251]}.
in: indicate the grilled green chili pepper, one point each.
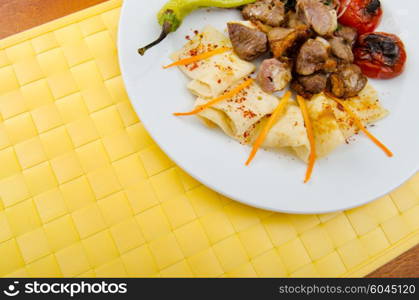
{"type": "Point", "coordinates": [173, 12]}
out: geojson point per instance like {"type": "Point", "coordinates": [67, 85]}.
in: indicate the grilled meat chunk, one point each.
{"type": "Point", "coordinates": [315, 83]}
{"type": "Point", "coordinates": [347, 82]}
{"type": "Point", "coordinates": [269, 12]}
{"type": "Point", "coordinates": [280, 40]}
{"type": "Point", "coordinates": [321, 17]}
{"type": "Point", "coordinates": [330, 65]}
{"type": "Point", "coordinates": [283, 40]}
{"type": "Point", "coordinates": [307, 86]}
{"type": "Point", "coordinates": [262, 27]}
{"type": "Point", "coordinates": [248, 41]}
{"type": "Point", "coordinates": [273, 75]}
{"type": "Point", "coordinates": [341, 49]}
{"type": "Point", "coordinates": [293, 20]}
{"type": "Point", "coordinates": [348, 34]}
{"type": "Point", "coordinates": [314, 56]}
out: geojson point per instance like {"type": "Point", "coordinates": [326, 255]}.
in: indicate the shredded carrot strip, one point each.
{"type": "Point", "coordinates": [361, 126]}
{"type": "Point", "coordinates": [271, 122]}
{"type": "Point", "coordinates": [192, 59]}
{"type": "Point", "coordinates": [224, 96]}
{"type": "Point", "coordinates": [310, 135]}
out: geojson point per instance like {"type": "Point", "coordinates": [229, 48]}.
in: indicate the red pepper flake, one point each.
{"type": "Point", "coordinates": [240, 100]}
{"type": "Point", "coordinates": [219, 81]}
{"type": "Point", "coordinates": [193, 52]}
{"type": "Point", "coordinates": [188, 37]}
{"type": "Point", "coordinates": [194, 66]}
{"type": "Point", "coordinates": [249, 114]}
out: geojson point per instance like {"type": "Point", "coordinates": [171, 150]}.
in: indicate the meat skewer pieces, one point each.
{"type": "Point", "coordinates": [347, 82]}
{"type": "Point", "coordinates": [341, 49]}
{"type": "Point", "coordinates": [273, 75]}
{"type": "Point", "coordinates": [321, 17]}
{"type": "Point", "coordinates": [284, 40]}
{"type": "Point", "coordinates": [314, 56]}
{"type": "Point", "coordinates": [269, 12]}
{"type": "Point", "coordinates": [248, 41]}
{"type": "Point", "coordinates": [307, 86]}
{"type": "Point", "coordinates": [342, 42]}
{"type": "Point", "coordinates": [349, 34]}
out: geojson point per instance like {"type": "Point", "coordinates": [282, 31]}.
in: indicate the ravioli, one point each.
{"type": "Point", "coordinates": [212, 76]}
{"type": "Point", "coordinates": [333, 126]}
{"type": "Point", "coordinates": [366, 106]}
{"type": "Point", "coordinates": [327, 133]}
{"type": "Point", "coordinates": [239, 115]}
{"type": "Point", "coordinates": [288, 132]}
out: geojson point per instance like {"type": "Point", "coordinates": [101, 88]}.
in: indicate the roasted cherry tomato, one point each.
{"type": "Point", "coordinates": [380, 55]}
{"type": "Point", "coordinates": [364, 15]}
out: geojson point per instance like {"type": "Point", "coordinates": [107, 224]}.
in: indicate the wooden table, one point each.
{"type": "Point", "coordinates": [19, 15]}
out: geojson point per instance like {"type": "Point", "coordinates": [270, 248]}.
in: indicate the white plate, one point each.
{"type": "Point", "coordinates": [354, 175]}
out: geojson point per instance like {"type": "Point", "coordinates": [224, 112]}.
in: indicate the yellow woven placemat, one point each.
{"type": "Point", "coordinates": [86, 192]}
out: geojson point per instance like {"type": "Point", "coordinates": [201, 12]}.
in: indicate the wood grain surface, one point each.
{"type": "Point", "coordinates": [406, 265]}
{"type": "Point", "coordinates": [19, 15]}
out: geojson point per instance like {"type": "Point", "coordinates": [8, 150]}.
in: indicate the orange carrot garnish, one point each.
{"type": "Point", "coordinates": [224, 96]}
{"type": "Point", "coordinates": [271, 122]}
{"type": "Point", "coordinates": [310, 135]}
{"type": "Point", "coordinates": [361, 126]}
{"type": "Point", "coordinates": [192, 59]}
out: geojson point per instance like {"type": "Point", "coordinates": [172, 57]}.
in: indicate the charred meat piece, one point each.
{"type": "Point", "coordinates": [307, 86]}
{"type": "Point", "coordinates": [341, 49]}
{"type": "Point", "coordinates": [262, 27]}
{"type": "Point", "coordinates": [269, 12]}
{"type": "Point", "coordinates": [293, 20]}
{"type": "Point", "coordinates": [321, 17]}
{"type": "Point", "coordinates": [313, 56]}
{"type": "Point", "coordinates": [283, 40]}
{"type": "Point", "coordinates": [330, 65]}
{"type": "Point", "coordinates": [280, 40]}
{"type": "Point", "coordinates": [342, 42]}
{"type": "Point", "coordinates": [248, 41]}
{"type": "Point", "coordinates": [273, 75]}
{"type": "Point", "coordinates": [347, 82]}
{"type": "Point", "coordinates": [348, 34]}
{"type": "Point", "coordinates": [299, 89]}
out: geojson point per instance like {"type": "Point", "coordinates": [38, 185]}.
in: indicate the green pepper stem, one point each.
{"type": "Point", "coordinates": [167, 28]}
